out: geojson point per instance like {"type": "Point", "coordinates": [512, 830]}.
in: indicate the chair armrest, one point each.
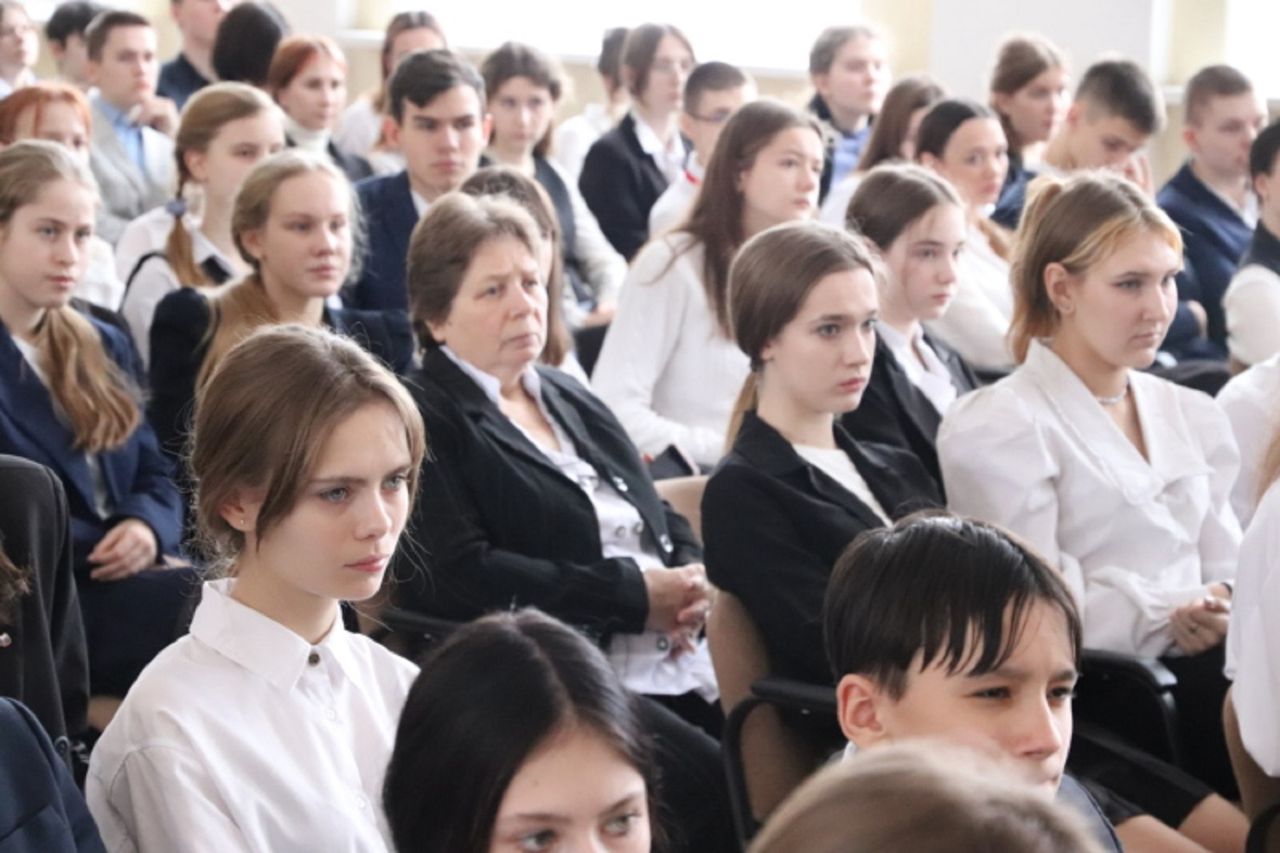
{"type": "Point", "coordinates": [1146, 672]}
{"type": "Point", "coordinates": [796, 695]}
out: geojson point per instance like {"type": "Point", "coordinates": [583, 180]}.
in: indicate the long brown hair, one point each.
{"type": "Point", "coordinates": [513, 59]}
{"type": "Point", "coordinates": [242, 307]}
{"type": "Point", "coordinates": [203, 118]}
{"type": "Point", "coordinates": [248, 437]}
{"type": "Point", "coordinates": [639, 50]}
{"type": "Point", "coordinates": [1076, 222]}
{"type": "Point", "coordinates": [716, 218]}
{"type": "Point", "coordinates": [88, 388]}
{"type": "Point", "coordinates": [769, 281]}
{"type": "Point", "coordinates": [893, 122]}
{"type": "Point", "coordinates": [892, 197]}
{"type": "Point", "coordinates": [1022, 58]}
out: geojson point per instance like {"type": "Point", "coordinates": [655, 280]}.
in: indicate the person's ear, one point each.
{"type": "Point", "coordinates": [196, 162]}
{"type": "Point", "coordinates": [252, 242]}
{"type": "Point", "coordinates": [1075, 113]}
{"type": "Point", "coordinates": [391, 131]}
{"type": "Point", "coordinates": [486, 129]}
{"type": "Point", "coordinates": [929, 161]}
{"type": "Point", "coordinates": [859, 707]}
{"type": "Point", "coordinates": [240, 510]}
{"type": "Point", "coordinates": [1190, 139]}
{"type": "Point", "coordinates": [1058, 285]}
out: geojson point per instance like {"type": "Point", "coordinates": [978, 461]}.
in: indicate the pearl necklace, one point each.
{"type": "Point", "coordinates": [1118, 398]}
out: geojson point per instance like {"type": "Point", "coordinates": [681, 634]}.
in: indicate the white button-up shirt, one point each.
{"type": "Point", "coordinates": [922, 365]}
{"type": "Point", "coordinates": [244, 736]}
{"type": "Point", "coordinates": [669, 155]}
{"type": "Point", "coordinates": [1135, 539]}
{"type": "Point", "coordinates": [1252, 403]}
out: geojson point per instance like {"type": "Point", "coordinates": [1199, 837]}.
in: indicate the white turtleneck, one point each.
{"type": "Point", "coordinates": [305, 138]}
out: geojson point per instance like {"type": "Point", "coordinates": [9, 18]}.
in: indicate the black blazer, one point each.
{"type": "Point", "coordinates": [497, 525]}
{"type": "Point", "coordinates": [774, 525]}
{"type": "Point", "coordinates": [386, 203]}
{"type": "Point", "coordinates": [620, 183]}
{"type": "Point", "coordinates": [41, 811]}
{"type": "Point", "coordinates": [46, 664]}
{"type": "Point", "coordinates": [179, 341]}
{"type": "Point", "coordinates": [894, 411]}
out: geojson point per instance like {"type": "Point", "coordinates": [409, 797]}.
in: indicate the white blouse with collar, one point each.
{"type": "Point", "coordinates": [244, 736]}
{"type": "Point", "coordinates": [1135, 539]}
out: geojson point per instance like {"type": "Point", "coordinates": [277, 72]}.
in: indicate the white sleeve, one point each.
{"type": "Point", "coordinates": [998, 465]}
{"type": "Point", "coordinates": [1253, 641]}
{"type": "Point", "coordinates": [637, 348]}
{"type": "Point", "coordinates": [837, 202]}
{"type": "Point", "coordinates": [975, 327]}
{"type": "Point", "coordinates": [604, 268]}
{"type": "Point", "coordinates": [161, 798]}
{"type": "Point", "coordinates": [1253, 422]}
{"type": "Point", "coordinates": [152, 283]}
{"type": "Point", "coordinates": [358, 128]}
{"type": "Point", "coordinates": [1220, 534]}
{"type": "Point", "coordinates": [569, 147]}
{"type": "Point", "coordinates": [1252, 307]}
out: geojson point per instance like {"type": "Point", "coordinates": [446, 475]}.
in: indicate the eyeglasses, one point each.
{"type": "Point", "coordinates": [671, 66]}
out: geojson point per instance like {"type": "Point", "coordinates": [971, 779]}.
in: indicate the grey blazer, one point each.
{"type": "Point", "coordinates": [127, 193]}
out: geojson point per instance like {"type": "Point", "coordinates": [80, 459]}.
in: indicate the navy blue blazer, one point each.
{"type": "Point", "coordinates": [41, 810]}
{"type": "Point", "coordinates": [386, 203]}
{"type": "Point", "coordinates": [138, 477]}
{"type": "Point", "coordinates": [180, 339]}
{"type": "Point", "coordinates": [620, 183]}
{"type": "Point", "coordinates": [1214, 238]}
{"type": "Point", "coordinates": [773, 526]}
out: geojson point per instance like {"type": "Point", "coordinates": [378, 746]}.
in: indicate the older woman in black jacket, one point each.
{"type": "Point", "coordinates": [535, 496]}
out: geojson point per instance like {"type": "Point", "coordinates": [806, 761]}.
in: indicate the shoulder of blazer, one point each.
{"type": "Point", "coordinates": [383, 334]}
{"type": "Point", "coordinates": [381, 195]}
{"type": "Point", "coordinates": [185, 308]}
{"type": "Point", "coordinates": [892, 472]}
{"type": "Point", "coordinates": [760, 446]}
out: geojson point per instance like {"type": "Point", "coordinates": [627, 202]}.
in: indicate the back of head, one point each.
{"type": "Point", "coordinates": [892, 197]}
{"type": "Point", "coordinates": [36, 96]}
{"type": "Point", "coordinates": [711, 77]}
{"type": "Point", "coordinates": [70, 19]}
{"type": "Point", "coordinates": [893, 122]}
{"type": "Point", "coordinates": [99, 29]}
{"type": "Point", "coordinates": [943, 119]}
{"type": "Point", "coordinates": [1075, 222]}
{"type": "Point", "coordinates": [921, 592]}
{"type": "Point", "coordinates": [1213, 81]}
{"type": "Point", "coordinates": [246, 41]}
{"type": "Point", "coordinates": [422, 76]}
{"type": "Point", "coordinates": [923, 798]}
{"type": "Point", "coordinates": [609, 62]}
{"type": "Point", "coordinates": [461, 738]}
{"type": "Point", "coordinates": [1262, 154]}
{"type": "Point", "coordinates": [244, 438]}
{"type": "Point", "coordinates": [1119, 87]}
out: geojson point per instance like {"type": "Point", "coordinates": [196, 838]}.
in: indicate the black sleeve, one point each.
{"type": "Point", "coordinates": [609, 186]}
{"type": "Point", "coordinates": [66, 628]}
{"type": "Point", "coordinates": [178, 348]}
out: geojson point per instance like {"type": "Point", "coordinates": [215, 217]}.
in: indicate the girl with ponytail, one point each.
{"type": "Point", "coordinates": [68, 400]}
{"type": "Point", "coordinates": [795, 488]}
{"type": "Point", "coordinates": [226, 129]}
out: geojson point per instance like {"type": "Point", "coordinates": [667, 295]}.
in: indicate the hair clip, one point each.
{"type": "Point", "coordinates": [177, 207]}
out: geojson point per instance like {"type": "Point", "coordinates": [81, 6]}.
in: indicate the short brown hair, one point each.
{"type": "Point", "coordinates": [1120, 87]}
{"type": "Point", "coordinates": [893, 196]}
{"type": "Point", "coordinates": [99, 29]}
{"type": "Point", "coordinates": [823, 53]}
{"type": "Point", "coordinates": [1213, 81]}
{"type": "Point", "coordinates": [444, 243]}
{"type": "Point", "coordinates": [245, 438]}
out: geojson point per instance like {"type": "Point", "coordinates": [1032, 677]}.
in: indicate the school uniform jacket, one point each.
{"type": "Point", "coordinates": [773, 526]}
{"type": "Point", "coordinates": [620, 183]}
{"type": "Point", "coordinates": [1134, 537]}
{"type": "Point", "coordinates": [126, 191]}
{"type": "Point", "coordinates": [894, 411]}
{"type": "Point", "coordinates": [136, 475]}
{"type": "Point", "coordinates": [386, 203]}
{"type": "Point", "coordinates": [45, 664]}
{"type": "Point", "coordinates": [497, 525]}
{"type": "Point", "coordinates": [180, 336]}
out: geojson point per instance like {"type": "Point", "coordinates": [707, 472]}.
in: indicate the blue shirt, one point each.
{"type": "Point", "coordinates": [129, 133]}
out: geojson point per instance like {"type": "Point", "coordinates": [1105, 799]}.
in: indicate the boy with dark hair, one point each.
{"type": "Point", "coordinates": [1209, 197]}
{"type": "Point", "coordinates": [65, 33]}
{"type": "Point", "coordinates": [131, 154]}
{"type": "Point", "coordinates": [951, 628]}
{"type": "Point", "coordinates": [1252, 301]}
{"type": "Point", "coordinates": [436, 103]}
{"type": "Point", "coordinates": [712, 94]}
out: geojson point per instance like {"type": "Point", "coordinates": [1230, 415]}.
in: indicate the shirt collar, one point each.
{"type": "Point", "coordinates": [651, 144]}
{"type": "Point", "coordinates": [489, 383]}
{"type": "Point", "coordinates": [259, 643]}
{"type": "Point", "coordinates": [116, 116]}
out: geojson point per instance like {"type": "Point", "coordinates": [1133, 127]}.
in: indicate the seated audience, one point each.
{"type": "Point", "coordinates": [795, 488]}
{"type": "Point", "coordinates": [629, 167]}
{"type": "Point", "coordinates": [226, 129]}
{"type": "Point", "coordinates": [669, 367]}
{"type": "Point", "coordinates": [192, 69]}
{"type": "Point", "coordinates": [1028, 91]}
{"type": "Point", "coordinates": [1120, 478]}
{"type": "Point", "coordinates": [712, 94]}
{"type": "Point", "coordinates": [963, 142]}
{"type": "Point", "coordinates": [523, 87]}
{"type": "Point", "coordinates": [360, 130]}
{"type": "Point", "coordinates": [246, 41]}
{"type": "Point", "coordinates": [1210, 198]}
{"type": "Point", "coordinates": [893, 137]}
{"type": "Point", "coordinates": [131, 155]}
{"type": "Point", "coordinates": [438, 122]}
{"type": "Point", "coordinates": [914, 223]}
{"type": "Point", "coordinates": [19, 47]}
{"type": "Point", "coordinates": [575, 135]}
{"type": "Point", "coordinates": [45, 664]}
{"type": "Point", "coordinates": [567, 767]}
{"type": "Point", "coordinates": [59, 113]}
{"type": "Point", "coordinates": [68, 387]}
{"type": "Point", "coordinates": [308, 79]}
{"type": "Point", "coordinates": [64, 31]}
{"type": "Point", "coordinates": [41, 809]}
{"type": "Point", "coordinates": [849, 69]}
{"type": "Point", "coordinates": [926, 798]}
{"type": "Point", "coordinates": [535, 496]}
{"type": "Point", "coordinates": [269, 726]}
{"type": "Point", "coordinates": [1251, 401]}
{"type": "Point", "coordinates": [292, 223]}
{"type": "Point", "coordinates": [1252, 300]}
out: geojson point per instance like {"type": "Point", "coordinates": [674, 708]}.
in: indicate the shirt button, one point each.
{"type": "Point", "coordinates": [665, 541]}
{"type": "Point", "coordinates": [620, 484]}
{"type": "Point", "coordinates": [331, 714]}
{"type": "Point", "coordinates": [5, 640]}
{"type": "Point", "coordinates": [313, 659]}
{"type": "Point", "coordinates": [619, 532]}
{"type": "Point", "coordinates": [637, 528]}
{"type": "Point", "coordinates": [663, 644]}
